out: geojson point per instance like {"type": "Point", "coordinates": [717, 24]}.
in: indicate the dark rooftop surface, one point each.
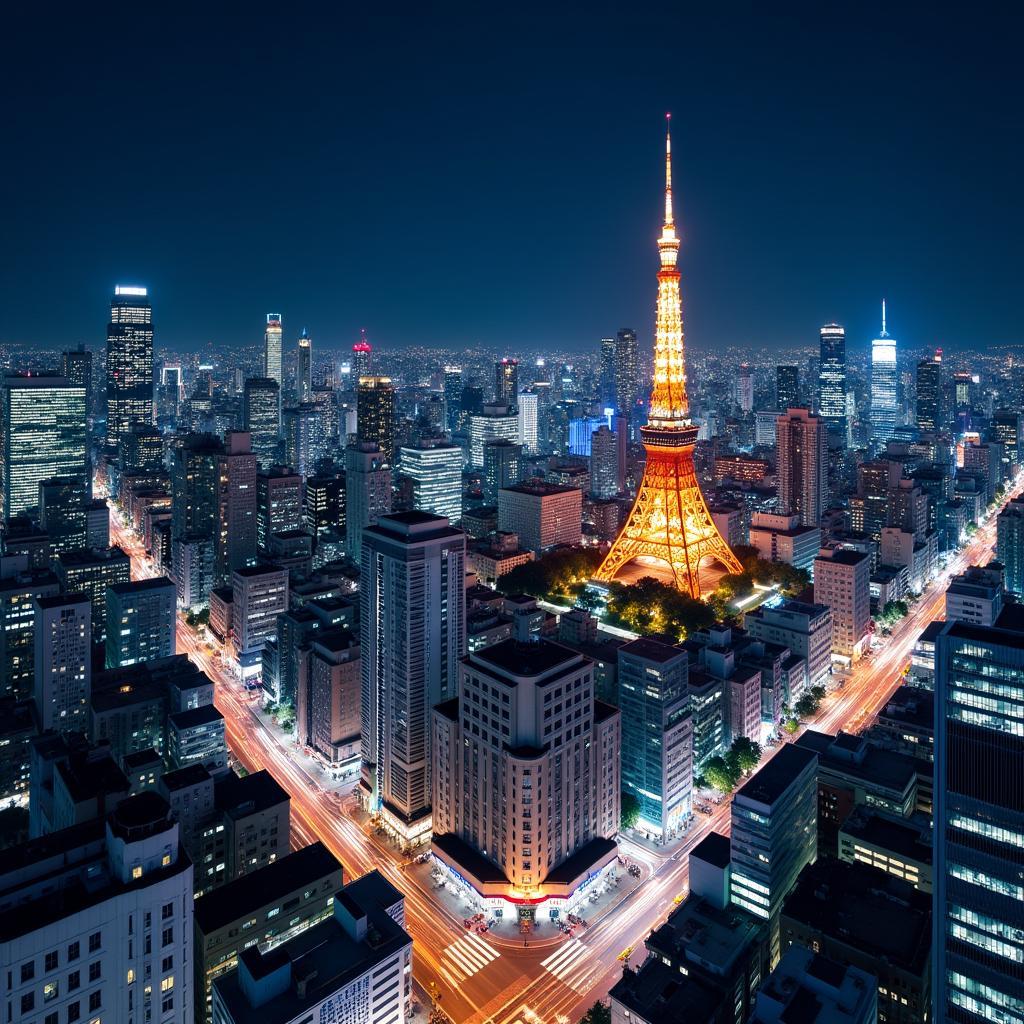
{"type": "Point", "coordinates": [184, 778]}
{"type": "Point", "coordinates": [527, 659]}
{"type": "Point", "coordinates": [89, 778]}
{"type": "Point", "coordinates": [771, 781]}
{"type": "Point", "coordinates": [859, 906]}
{"type": "Point", "coordinates": [157, 583]}
{"type": "Point", "coordinates": [463, 854]}
{"type": "Point", "coordinates": [583, 859]}
{"type": "Point", "coordinates": [59, 600]}
{"type": "Point", "coordinates": [714, 849]}
{"type": "Point", "coordinates": [651, 650]}
{"type": "Point", "coordinates": [661, 993]}
{"type": "Point", "coordinates": [852, 755]}
{"type": "Point", "coordinates": [189, 719]}
{"type": "Point", "coordinates": [260, 789]}
{"type": "Point", "coordinates": [985, 635]}
{"type": "Point", "coordinates": [241, 897]}
{"type": "Point", "coordinates": [900, 837]}
{"type": "Point", "coordinates": [843, 556]}
{"type": "Point", "coordinates": [140, 759]}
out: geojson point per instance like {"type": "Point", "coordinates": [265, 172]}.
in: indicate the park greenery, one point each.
{"type": "Point", "coordinates": [196, 619]}
{"type": "Point", "coordinates": [630, 813]}
{"type": "Point", "coordinates": [807, 706]}
{"type": "Point", "coordinates": [557, 576]}
{"type": "Point", "coordinates": [724, 771]}
{"type": "Point", "coordinates": [891, 613]}
{"type": "Point", "coordinates": [652, 607]}
{"type": "Point", "coordinates": [597, 1014]}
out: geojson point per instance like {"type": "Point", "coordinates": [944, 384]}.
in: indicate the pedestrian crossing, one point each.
{"type": "Point", "coordinates": [569, 964]}
{"type": "Point", "coordinates": [465, 957]}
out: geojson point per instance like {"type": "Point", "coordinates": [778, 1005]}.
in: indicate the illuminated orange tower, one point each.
{"type": "Point", "coordinates": [670, 520]}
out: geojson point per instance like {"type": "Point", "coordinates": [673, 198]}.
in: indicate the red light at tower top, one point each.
{"type": "Point", "coordinates": [362, 345]}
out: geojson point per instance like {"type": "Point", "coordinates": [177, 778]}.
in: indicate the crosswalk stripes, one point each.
{"type": "Point", "coordinates": [467, 955]}
{"type": "Point", "coordinates": [565, 963]}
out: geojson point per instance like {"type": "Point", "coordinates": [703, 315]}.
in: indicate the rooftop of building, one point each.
{"type": "Point", "coordinates": [240, 796]}
{"type": "Point", "coordinates": [156, 584]}
{"type": "Point", "coordinates": [713, 849]}
{"type": "Point", "coordinates": [855, 756]}
{"type": "Point", "coordinates": [240, 898]}
{"type": "Point", "coordinates": [807, 987]}
{"type": "Point", "coordinates": [475, 863]}
{"type": "Point", "coordinates": [603, 711]}
{"type": "Point", "coordinates": [871, 910]}
{"type": "Point", "coordinates": [62, 600]}
{"type": "Point", "coordinates": [92, 775]}
{"type": "Point", "coordinates": [84, 558]}
{"type": "Point", "coordinates": [931, 631]}
{"type": "Point", "coordinates": [659, 992]}
{"type": "Point", "coordinates": [251, 572]}
{"type": "Point", "coordinates": [185, 778]}
{"type": "Point", "coordinates": [843, 556]}
{"type": "Point", "coordinates": [772, 781]}
{"type": "Point", "coordinates": [413, 527]}
{"type": "Point", "coordinates": [651, 650]}
{"type": "Point", "coordinates": [539, 489]}
{"type": "Point", "coordinates": [528, 660]}
{"type": "Point", "coordinates": [911, 705]}
{"type": "Point", "coordinates": [192, 718]}
{"type": "Point", "coordinates": [321, 960]}
{"type": "Point", "coordinates": [904, 838]}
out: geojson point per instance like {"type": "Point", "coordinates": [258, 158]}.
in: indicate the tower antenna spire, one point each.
{"type": "Point", "coordinates": [883, 318]}
{"type": "Point", "coordinates": [668, 169]}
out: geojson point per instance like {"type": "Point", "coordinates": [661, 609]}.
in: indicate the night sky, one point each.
{"type": "Point", "coordinates": [491, 176]}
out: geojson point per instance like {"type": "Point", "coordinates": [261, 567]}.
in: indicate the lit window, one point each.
{"type": "Point", "coordinates": [137, 871]}
{"type": "Point", "coordinates": [131, 975]}
{"type": "Point", "coordinates": [167, 984]}
{"type": "Point", "coordinates": [166, 859]}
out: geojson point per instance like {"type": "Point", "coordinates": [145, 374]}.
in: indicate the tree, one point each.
{"type": "Point", "coordinates": [746, 754]}
{"type": "Point", "coordinates": [791, 725]}
{"type": "Point", "coordinates": [597, 1014]}
{"type": "Point", "coordinates": [722, 775]}
{"type": "Point", "coordinates": [630, 811]}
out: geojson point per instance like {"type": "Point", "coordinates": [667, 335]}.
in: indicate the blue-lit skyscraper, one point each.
{"type": "Point", "coordinates": [978, 919]}
{"type": "Point", "coordinates": [129, 363]}
{"type": "Point", "coordinates": [884, 400]}
{"type": "Point", "coordinates": [832, 377]}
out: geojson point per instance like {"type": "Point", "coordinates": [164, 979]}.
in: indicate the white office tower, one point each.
{"type": "Point", "coordinates": [413, 633]}
{"type": "Point", "coordinates": [63, 661]}
{"type": "Point", "coordinates": [604, 464]}
{"type": "Point", "coordinates": [884, 400]}
{"type": "Point", "coordinates": [435, 469]}
{"type": "Point", "coordinates": [98, 921]}
{"type": "Point", "coordinates": [527, 784]}
{"type": "Point", "coordinates": [528, 413]}
{"type": "Point", "coordinates": [496, 421]}
{"type": "Point", "coordinates": [272, 348]}
{"type": "Point", "coordinates": [802, 448]}
{"type": "Point", "coordinates": [367, 492]}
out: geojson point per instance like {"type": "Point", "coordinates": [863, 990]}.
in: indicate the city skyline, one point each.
{"type": "Point", "coordinates": [766, 180]}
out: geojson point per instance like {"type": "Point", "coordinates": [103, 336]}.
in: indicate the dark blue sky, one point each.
{"type": "Point", "coordinates": [488, 175]}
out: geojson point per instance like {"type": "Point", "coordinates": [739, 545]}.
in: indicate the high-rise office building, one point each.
{"type": "Point", "coordinates": [63, 503]}
{"type": "Point", "coordinates": [375, 414]}
{"type": "Point", "coordinates": [606, 374]}
{"type": "Point", "coordinates": [140, 621]}
{"type": "Point", "coordinates": [42, 435]}
{"type": "Point", "coordinates": [278, 503]}
{"type": "Point", "coordinates": [368, 482]}
{"type": "Point", "coordinates": [506, 382]}
{"type": "Point", "coordinates": [978, 918]}
{"type": "Point", "coordinates": [802, 448]}
{"type": "Point", "coordinates": [304, 369]}
{"type": "Point", "coordinates": [787, 387]}
{"type": "Point", "coordinates": [19, 587]}
{"type": "Point", "coordinates": [300, 428]}
{"type": "Point", "coordinates": [142, 449]}
{"type": "Point", "coordinates": [604, 464]}
{"type": "Point", "coordinates": [532, 760]}
{"type": "Point", "coordinates": [413, 633]}
{"type": "Point", "coordinates": [129, 362]}
{"type": "Point", "coordinates": [236, 506]}
{"type": "Point", "coordinates": [259, 595]}
{"type": "Point", "coordinates": [543, 515]}
{"type": "Point", "coordinates": [496, 421]}
{"type": "Point", "coordinates": [842, 582]}
{"type": "Point", "coordinates": [435, 469]}
{"type": "Point", "coordinates": [931, 412]}
{"type": "Point", "coordinates": [657, 734]}
{"type": "Point", "coordinates": [503, 467]}
{"type": "Point", "coordinates": [272, 344]}
{"type": "Point", "coordinates": [76, 368]}
{"type": "Point", "coordinates": [627, 371]}
{"type": "Point", "coordinates": [1010, 545]}
{"type": "Point", "coordinates": [832, 377]}
{"type": "Point", "coordinates": [453, 397]}
{"type": "Point", "coordinates": [324, 507]}
{"type": "Point", "coordinates": [362, 358]}
{"type": "Point", "coordinates": [261, 415]}
{"type": "Point", "coordinates": [774, 834]}
{"type": "Point", "coordinates": [63, 661]}
{"type": "Point", "coordinates": [529, 433]}
{"type": "Point", "coordinates": [1007, 428]}
{"type": "Point", "coordinates": [745, 388]}
{"type": "Point", "coordinates": [194, 516]}
{"type": "Point", "coordinates": [884, 380]}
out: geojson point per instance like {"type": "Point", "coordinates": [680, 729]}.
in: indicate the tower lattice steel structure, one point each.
{"type": "Point", "coordinates": [670, 520]}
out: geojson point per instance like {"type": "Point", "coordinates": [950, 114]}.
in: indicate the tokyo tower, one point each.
{"type": "Point", "coordinates": [670, 520]}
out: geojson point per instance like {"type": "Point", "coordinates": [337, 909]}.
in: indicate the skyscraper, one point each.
{"type": "Point", "coordinates": [413, 633]}
{"type": "Point", "coordinates": [627, 371]}
{"type": "Point", "coordinates": [496, 421]}
{"type": "Point", "coordinates": [670, 520]}
{"type": "Point", "coordinates": [129, 362]}
{"type": "Point", "coordinates": [194, 514]}
{"type": "Point", "coordinates": [884, 400]}
{"type": "Point", "coordinates": [529, 422]}
{"type": "Point", "coordinates": [503, 466]}
{"type": "Point", "coordinates": [236, 506]}
{"type": "Point", "coordinates": [1010, 545]}
{"type": "Point", "coordinates": [506, 382]}
{"type": "Point", "coordinates": [931, 413]}
{"type": "Point", "coordinates": [453, 397]}
{"type": "Point", "coordinates": [141, 621]}
{"type": "Point", "coordinates": [300, 428]}
{"type": "Point", "coordinates": [76, 367]}
{"type": "Point", "coordinates": [63, 661]}
{"type": "Point", "coordinates": [367, 492]}
{"type": "Point", "coordinates": [261, 413]}
{"type": "Point", "coordinates": [604, 463]}
{"type": "Point", "coordinates": [745, 388]}
{"type": "Point", "coordinates": [362, 358]}
{"type": "Point", "coordinates": [42, 435]}
{"type": "Point", "coordinates": [802, 465]}
{"type": "Point", "coordinates": [606, 374]}
{"type": "Point", "coordinates": [436, 473]}
{"type": "Point", "coordinates": [787, 387]}
{"type": "Point", "coordinates": [375, 414]}
{"type": "Point", "coordinates": [272, 349]}
{"type": "Point", "coordinates": [978, 917]}
{"type": "Point", "coordinates": [832, 377]}
{"type": "Point", "coordinates": [304, 369]}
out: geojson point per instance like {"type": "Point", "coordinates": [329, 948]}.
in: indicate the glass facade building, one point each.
{"type": "Point", "coordinates": [832, 376]}
{"type": "Point", "coordinates": [272, 348]}
{"type": "Point", "coordinates": [436, 475]}
{"type": "Point", "coordinates": [42, 420]}
{"type": "Point", "coordinates": [129, 363]}
{"type": "Point", "coordinates": [884, 398]}
{"type": "Point", "coordinates": [978, 920]}
{"type": "Point", "coordinates": [930, 406]}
